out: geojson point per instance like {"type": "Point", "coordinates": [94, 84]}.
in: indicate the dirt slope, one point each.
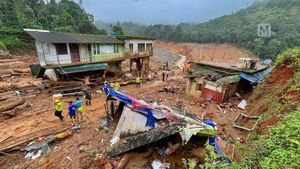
{"type": "Point", "coordinates": [278, 95]}
{"type": "Point", "coordinates": [206, 52]}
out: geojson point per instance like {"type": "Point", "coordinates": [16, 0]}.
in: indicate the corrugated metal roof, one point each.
{"type": "Point", "coordinates": [228, 80]}
{"type": "Point", "coordinates": [82, 68]}
{"type": "Point", "coordinates": [256, 77]}
{"type": "Point", "coordinates": [123, 37]}
{"type": "Point", "coordinates": [61, 37]}
{"type": "Point", "coordinates": [199, 69]}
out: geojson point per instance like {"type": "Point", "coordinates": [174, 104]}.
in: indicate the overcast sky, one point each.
{"type": "Point", "coordinates": [162, 11]}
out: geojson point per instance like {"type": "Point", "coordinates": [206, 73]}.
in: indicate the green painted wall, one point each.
{"type": "Point", "coordinates": [109, 56]}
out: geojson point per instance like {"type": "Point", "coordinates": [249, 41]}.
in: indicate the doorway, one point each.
{"type": "Point", "coordinates": [74, 53]}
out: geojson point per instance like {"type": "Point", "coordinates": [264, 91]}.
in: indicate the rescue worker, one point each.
{"type": "Point", "coordinates": [138, 81]}
{"type": "Point", "coordinates": [58, 109]}
{"type": "Point", "coordinates": [116, 86]}
{"type": "Point", "coordinates": [88, 96]}
{"type": "Point", "coordinates": [72, 113]}
{"type": "Point", "coordinates": [211, 140]}
{"type": "Point", "coordinates": [79, 109]}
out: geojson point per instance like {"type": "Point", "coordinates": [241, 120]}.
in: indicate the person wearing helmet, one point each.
{"type": "Point", "coordinates": [58, 109]}
{"type": "Point", "coordinates": [116, 86]}
{"type": "Point", "coordinates": [138, 81]}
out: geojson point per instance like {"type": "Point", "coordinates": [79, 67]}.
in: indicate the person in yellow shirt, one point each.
{"type": "Point", "coordinates": [138, 81]}
{"type": "Point", "coordinates": [58, 109]}
{"type": "Point", "coordinates": [116, 86]}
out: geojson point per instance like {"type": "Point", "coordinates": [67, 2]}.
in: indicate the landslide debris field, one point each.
{"type": "Point", "coordinates": [27, 113]}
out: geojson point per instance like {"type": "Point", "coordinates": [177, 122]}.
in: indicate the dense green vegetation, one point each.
{"type": "Point", "coordinates": [129, 28]}
{"type": "Point", "coordinates": [279, 149]}
{"type": "Point", "coordinates": [117, 29]}
{"type": "Point", "coordinates": [239, 28]}
{"type": "Point", "coordinates": [36, 14]}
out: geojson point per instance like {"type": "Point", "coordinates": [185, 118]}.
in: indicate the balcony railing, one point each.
{"type": "Point", "coordinates": [132, 55]}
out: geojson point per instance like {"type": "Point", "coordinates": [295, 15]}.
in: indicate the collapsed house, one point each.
{"type": "Point", "coordinates": [138, 49]}
{"type": "Point", "coordinates": [219, 83]}
{"type": "Point", "coordinates": [141, 123]}
{"type": "Point", "coordinates": [62, 55]}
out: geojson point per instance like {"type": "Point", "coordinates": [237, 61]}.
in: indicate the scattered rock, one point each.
{"type": "Point", "coordinates": [172, 149]}
{"type": "Point", "coordinates": [199, 153]}
{"type": "Point", "coordinates": [203, 105]}
{"type": "Point", "coordinates": [108, 166]}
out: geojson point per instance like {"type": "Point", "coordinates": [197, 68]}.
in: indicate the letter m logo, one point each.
{"type": "Point", "coordinates": [264, 30]}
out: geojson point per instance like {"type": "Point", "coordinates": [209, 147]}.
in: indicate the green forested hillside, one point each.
{"type": "Point", "coordinates": [241, 28]}
{"type": "Point", "coordinates": [36, 14]}
{"type": "Point", "coordinates": [129, 28]}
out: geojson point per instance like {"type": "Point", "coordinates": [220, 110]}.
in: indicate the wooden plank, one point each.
{"type": "Point", "coordinates": [68, 90]}
{"type": "Point", "coordinates": [241, 127]}
{"type": "Point", "coordinates": [250, 117]}
{"type": "Point", "coordinates": [12, 105]}
{"type": "Point", "coordinates": [237, 117]}
{"type": "Point", "coordinates": [66, 86]}
{"type": "Point", "coordinates": [72, 94]}
{"type": "Point", "coordinates": [16, 142]}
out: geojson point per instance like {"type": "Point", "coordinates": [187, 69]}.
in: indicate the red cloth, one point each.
{"type": "Point", "coordinates": [136, 104]}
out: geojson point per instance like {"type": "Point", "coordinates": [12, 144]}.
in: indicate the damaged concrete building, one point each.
{"type": "Point", "coordinates": [219, 83]}
{"type": "Point", "coordinates": [143, 123]}
{"type": "Point", "coordinates": [138, 49]}
{"type": "Point", "coordinates": [66, 54]}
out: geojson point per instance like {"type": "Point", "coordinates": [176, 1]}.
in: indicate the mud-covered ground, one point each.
{"type": "Point", "coordinates": [86, 146]}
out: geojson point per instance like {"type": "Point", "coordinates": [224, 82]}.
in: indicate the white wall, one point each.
{"type": "Point", "coordinates": [107, 48]}
{"type": "Point", "coordinates": [84, 53]}
{"type": "Point", "coordinates": [49, 56]}
{"type": "Point", "coordinates": [51, 74]}
{"type": "Point", "coordinates": [104, 49]}
{"type": "Point", "coordinates": [135, 44]}
{"type": "Point", "coordinates": [213, 86]}
{"type": "Point", "coordinates": [40, 53]}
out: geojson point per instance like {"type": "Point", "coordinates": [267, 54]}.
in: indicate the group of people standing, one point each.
{"type": "Point", "coordinates": [75, 109]}
{"type": "Point", "coordinates": [116, 86]}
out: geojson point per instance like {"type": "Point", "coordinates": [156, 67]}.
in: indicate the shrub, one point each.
{"type": "Point", "coordinates": [292, 55]}
{"type": "Point", "coordinates": [279, 149]}
{"type": "Point", "coordinates": [2, 46]}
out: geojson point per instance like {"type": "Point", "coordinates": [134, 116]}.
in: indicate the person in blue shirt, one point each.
{"type": "Point", "coordinates": [79, 109]}
{"type": "Point", "coordinates": [211, 140]}
{"type": "Point", "coordinates": [72, 112]}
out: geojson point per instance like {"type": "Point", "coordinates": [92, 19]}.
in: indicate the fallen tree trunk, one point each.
{"type": "Point", "coordinates": [21, 70]}
{"type": "Point", "coordinates": [13, 112]}
{"type": "Point", "coordinates": [122, 164]}
{"type": "Point", "coordinates": [7, 94]}
{"type": "Point", "coordinates": [9, 60]}
{"type": "Point", "coordinates": [13, 143]}
{"type": "Point", "coordinates": [12, 105]}
{"type": "Point", "coordinates": [3, 98]}
{"type": "Point", "coordinates": [9, 113]}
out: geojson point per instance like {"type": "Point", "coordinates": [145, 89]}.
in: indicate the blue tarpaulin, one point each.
{"type": "Point", "coordinates": [129, 100]}
{"type": "Point", "coordinates": [257, 76]}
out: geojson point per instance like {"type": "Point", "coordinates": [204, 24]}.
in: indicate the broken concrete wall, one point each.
{"type": "Point", "coordinates": [142, 139]}
{"type": "Point", "coordinates": [51, 74]}
{"type": "Point", "coordinates": [130, 123]}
